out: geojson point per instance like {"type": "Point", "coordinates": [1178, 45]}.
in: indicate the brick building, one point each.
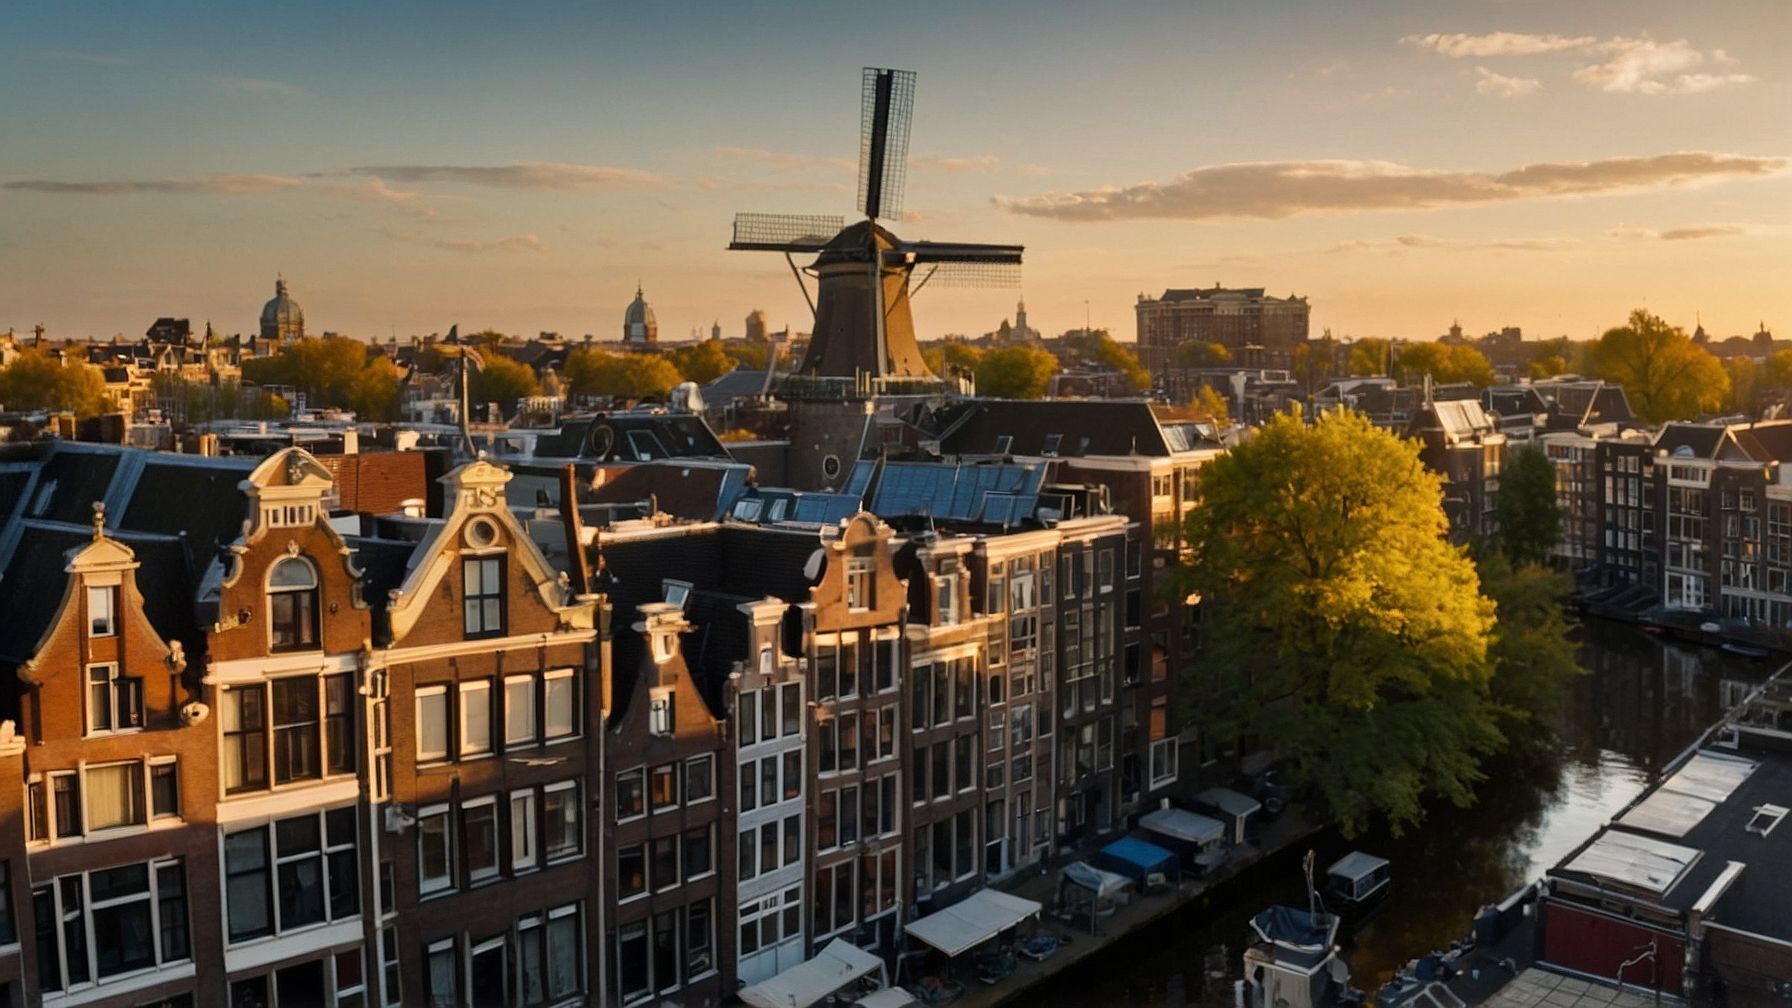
{"type": "Point", "coordinates": [1259, 330]}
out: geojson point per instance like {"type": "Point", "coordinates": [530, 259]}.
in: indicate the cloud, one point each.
{"type": "Point", "coordinates": [1499, 44]}
{"type": "Point", "coordinates": [1032, 170]}
{"type": "Point", "coordinates": [1491, 83]}
{"type": "Point", "coordinates": [1274, 189]}
{"type": "Point", "coordinates": [257, 84]}
{"type": "Point", "coordinates": [786, 160]}
{"type": "Point", "coordinates": [1677, 234]}
{"type": "Point", "coordinates": [213, 185]}
{"type": "Point", "coordinates": [535, 176]}
{"type": "Point", "coordinates": [1401, 243]}
{"type": "Point", "coordinates": [981, 164]}
{"type": "Point", "coordinates": [1644, 66]}
{"type": "Point", "coordinates": [77, 56]}
{"type": "Point", "coordinates": [375, 192]}
{"type": "Point", "coordinates": [514, 243]}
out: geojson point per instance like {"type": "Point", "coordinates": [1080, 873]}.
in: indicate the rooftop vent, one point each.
{"type": "Point", "coordinates": [1004, 443]}
{"type": "Point", "coordinates": [1052, 441]}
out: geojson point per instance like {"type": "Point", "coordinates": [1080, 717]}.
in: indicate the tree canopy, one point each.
{"type": "Point", "coordinates": [593, 372]}
{"type": "Point", "coordinates": [704, 362]}
{"type": "Point", "coordinates": [1099, 348]}
{"type": "Point", "coordinates": [1368, 356]}
{"type": "Point", "coordinates": [1446, 363]}
{"type": "Point", "coordinates": [951, 356]}
{"type": "Point", "coordinates": [1526, 510]}
{"type": "Point", "coordinates": [333, 371]}
{"type": "Point", "coordinates": [1015, 372]}
{"type": "Point", "coordinates": [37, 380]}
{"type": "Point", "coordinates": [1664, 373]}
{"type": "Point", "coordinates": [1342, 627]}
{"type": "Point", "coordinates": [1532, 652]}
{"type": "Point", "coordinates": [1199, 355]}
{"type": "Point", "coordinates": [503, 381]}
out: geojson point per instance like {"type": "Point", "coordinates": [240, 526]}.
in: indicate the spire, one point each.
{"type": "Point", "coordinates": [99, 520]}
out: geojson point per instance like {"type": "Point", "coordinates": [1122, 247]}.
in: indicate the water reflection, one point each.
{"type": "Point", "coordinates": [1642, 702]}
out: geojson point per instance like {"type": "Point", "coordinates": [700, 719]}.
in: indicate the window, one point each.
{"type": "Point", "coordinates": [339, 723]}
{"type": "Point", "coordinates": [102, 611]}
{"type": "Point", "coordinates": [435, 850]}
{"type": "Point", "coordinates": [483, 580]}
{"type": "Point", "coordinates": [660, 719]}
{"type": "Point", "coordinates": [947, 600]}
{"type": "Point", "coordinates": [666, 860]}
{"type": "Point", "coordinates": [292, 605]}
{"type": "Point", "coordinates": [664, 786]}
{"type": "Point", "coordinates": [107, 923]}
{"type": "Point", "coordinates": [697, 957]}
{"type": "Point", "coordinates": [296, 741]}
{"type": "Point", "coordinates": [519, 710]}
{"type": "Point", "coordinates": [432, 723]}
{"type": "Point", "coordinates": [67, 806]}
{"type": "Point", "coordinates": [699, 852]}
{"type": "Point", "coordinates": [114, 702]}
{"type": "Point", "coordinates": [631, 962]}
{"type": "Point", "coordinates": [559, 704]}
{"type": "Point", "coordinates": [475, 717]}
{"type": "Point", "coordinates": [560, 821]}
{"type": "Point", "coordinates": [631, 794]}
{"type": "Point", "coordinates": [699, 779]}
{"type": "Point", "coordinates": [861, 583]}
{"type": "Point", "coordinates": [292, 873]}
{"type": "Point", "coordinates": [114, 795]}
{"type": "Point", "coordinates": [442, 973]}
{"type": "Point", "coordinates": [522, 830]}
{"type": "Point", "coordinates": [631, 871]}
{"type": "Point", "coordinates": [479, 825]}
{"type": "Point", "coordinates": [313, 729]}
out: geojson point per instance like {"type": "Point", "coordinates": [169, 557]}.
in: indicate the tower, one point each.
{"type": "Point", "coordinates": [282, 320]}
{"type": "Point", "coordinates": [639, 327]}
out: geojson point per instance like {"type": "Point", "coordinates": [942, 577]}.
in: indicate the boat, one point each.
{"type": "Point", "coordinates": [1294, 962]}
{"type": "Point", "coordinates": [1356, 880]}
{"type": "Point", "coordinates": [1745, 650]}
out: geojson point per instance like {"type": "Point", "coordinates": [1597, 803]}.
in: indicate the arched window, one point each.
{"type": "Point", "coordinates": [292, 604]}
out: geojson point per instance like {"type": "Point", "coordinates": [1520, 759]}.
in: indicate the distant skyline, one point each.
{"type": "Point", "coordinates": [409, 167]}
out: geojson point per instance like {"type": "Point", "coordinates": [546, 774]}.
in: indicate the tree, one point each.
{"type": "Point", "coordinates": [752, 356]}
{"type": "Point", "coordinates": [1016, 372]}
{"type": "Point", "coordinates": [1664, 373]}
{"type": "Point", "coordinates": [1446, 363]}
{"type": "Point", "coordinates": [1368, 356]}
{"type": "Point", "coordinates": [1778, 372]}
{"type": "Point", "coordinates": [702, 363]}
{"type": "Point", "coordinates": [1745, 385]}
{"type": "Point", "coordinates": [1200, 355]}
{"type": "Point", "coordinates": [1101, 349]}
{"type": "Point", "coordinates": [1211, 406]}
{"type": "Point", "coordinates": [951, 356]}
{"type": "Point", "coordinates": [1532, 652]}
{"type": "Point", "coordinates": [1342, 627]}
{"type": "Point", "coordinates": [38, 380]}
{"type": "Point", "coordinates": [593, 372]}
{"type": "Point", "coordinates": [503, 381]}
{"type": "Point", "coordinates": [334, 372]}
{"type": "Point", "coordinates": [1529, 517]}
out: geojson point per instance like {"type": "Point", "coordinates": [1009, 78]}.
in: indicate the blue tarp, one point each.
{"type": "Point", "coordinates": [1136, 859]}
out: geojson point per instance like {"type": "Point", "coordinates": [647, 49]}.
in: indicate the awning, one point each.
{"type": "Point", "coordinates": [1098, 881]}
{"type": "Point", "coordinates": [1356, 865]}
{"type": "Point", "coordinates": [972, 921]}
{"type": "Point", "coordinates": [1228, 801]}
{"type": "Point", "coordinates": [886, 997]}
{"type": "Point", "coordinates": [1137, 859]}
{"type": "Point", "coordinates": [806, 983]}
{"type": "Point", "coordinates": [1183, 825]}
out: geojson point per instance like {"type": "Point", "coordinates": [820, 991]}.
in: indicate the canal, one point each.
{"type": "Point", "coordinates": [1640, 703]}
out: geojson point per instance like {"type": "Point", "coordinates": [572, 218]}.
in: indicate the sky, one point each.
{"type": "Point", "coordinates": [523, 167]}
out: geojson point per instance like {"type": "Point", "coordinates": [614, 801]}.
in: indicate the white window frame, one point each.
{"type": "Point", "coordinates": [482, 709]}
{"type": "Point", "coordinates": [525, 850]}
{"type": "Point", "coordinates": [523, 686]}
{"type": "Point", "coordinates": [425, 693]}
{"type": "Point", "coordinates": [428, 884]}
{"type": "Point", "coordinates": [474, 877]}
{"type": "Point", "coordinates": [141, 779]}
{"type": "Point", "coordinates": [578, 826]}
{"type": "Point", "coordinates": [548, 679]}
{"type": "Point", "coordinates": [87, 910]}
{"type": "Point", "coordinates": [107, 596]}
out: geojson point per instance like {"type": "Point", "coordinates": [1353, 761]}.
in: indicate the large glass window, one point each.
{"type": "Point", "coordinates": [475, 717]}
{"type": "Point", "coordinates": [114, 701]}
{"type": "Point", "coordinates": [292, 605]}
{"type": "Point", "coordinates": [432, 723]}
{"type": "Point", "coordinates": [435, 850]}
{"type": "Point", "coordinates": [110, 922]}
{"type": "Point", "coordinates": [484, 596]}
{"type": "Point", "coordinates": [560, 821]}
{"type": "Point", "coordinates": [296, 742]}
{"type": "Point", "coordinates": [479, 824]}
{"type": "Point", "coordinates": [115, 795]}
{"type": "Point", "coordinates": [313, 729]}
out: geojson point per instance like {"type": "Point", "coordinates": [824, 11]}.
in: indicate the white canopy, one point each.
{"type": "Point", "coordinates": [1099, 881]}
{"type": "Point", "coordinates": [1228, 801]}
{"type": "Point", "coordinates": [886, 997]}
{"type": "Point", "coordinates": [806, 983]}
{"type": "Point", "coordinates": [973, 920]}
{"type": "Point", "coordinates": [1181, 824]}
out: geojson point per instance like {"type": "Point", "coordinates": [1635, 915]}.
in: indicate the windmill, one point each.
{"type": "Point", "coordinates": [863, 273]}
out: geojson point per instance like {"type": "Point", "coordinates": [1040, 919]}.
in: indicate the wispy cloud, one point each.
{"type": "Point", "coordinates": [537, 176]}
{"type": "Point", "coordinates": [980, 164]}
{"type": "Point", "coordinates": [514, 243]}
{"type": "Point", "coordinates": [257, 84]}
{"type": "Point", "coordinates": [785, 160]}
{"type": "Point", "coordinates": [1677, 234]}
{"type": "Point", "coordinates": [78, 56]}
{"type": "Point", "coordinates": [1490, 83]}
{"type": "Point", "coordinates": [375, 192]}
{"type": "Point", "coordinates": [1274, 189]}
{"type": "Point", "coordinates": [212, 185]}
{"type": "Point", "coordinates": [1499, 44]}
{"type": "Point", "coordinates": [1402, 243]}
{"type": "Point", "coordinates": [1624, 64]}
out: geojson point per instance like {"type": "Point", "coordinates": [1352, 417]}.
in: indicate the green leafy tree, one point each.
{"type": "Point", "coordinates": [503, 381]}
{"type": "Point", "coordinates": [37, 380]}
{"type": "Point", "coordinates": [1745, 385]}
{"type": "Point", "coordinates": [1777, 373]}
{"type": "Point", "coordinates": [1099, 348]}
{"type": "Point", "coordinates": [1446, 363]}
{"type": "Point", "coordinates": [1368, 356]}
{"type": "Point", "coordinates": [1532, 651]}
{"type": "Point", "coordinates": [1528, 514]}
{"type": "Point", "coordinates": [1015, 372]}
{"type": "Point", "coordinates": [1210, 405]}
{"type": "Point", "coordinates": [950, 357]}
{"type": "Point", "coordinates": [593, 372]}
{"type": "Point", "coordinates": [751, 356]}
{"type": "Point", "coordinates": [333, 372]}
{"type": "Point", "coordinates": [704, 362]}
{"type": "Point", "coordinates": [1342, 626]}
{"type": "Point", "coordinates": [1664, 373]}
{"type": "Point", "coordinates": [1200, 355]}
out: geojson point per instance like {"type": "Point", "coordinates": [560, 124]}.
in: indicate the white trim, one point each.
{"type": "Point", "coordinates": [249, 671]}
{"type": "Point", "coordinates": [288, 801]}
{"type": "Point", "coordinates": [486, 645]}
{"type": "Point", "coordinates": [260, 952]}
{"type": "Point", "coordinates": [140, 980]}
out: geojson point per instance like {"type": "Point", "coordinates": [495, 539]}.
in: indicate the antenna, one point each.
{"type": "Point", "coordinates": [887, 109]}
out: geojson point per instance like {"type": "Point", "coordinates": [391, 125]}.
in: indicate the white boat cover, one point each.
{"type": "Point", "coordinates": [807, 983]}
{"type": "Point", "coordinates": [1355, 865]}
{"type": "Point", "coordinates": [1229, 801]}
{"type": "Point", "coordinates": [886, 997]}
{"type": "Point", "coordinates": [972, 921]}
{"type": "Point", "coordinates": [1100, 881]}
{"type": "Point", "coordinates": [1181, 824]}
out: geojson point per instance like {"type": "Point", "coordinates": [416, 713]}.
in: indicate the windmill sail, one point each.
{"type": "Point", "coordinates": [887, 108]}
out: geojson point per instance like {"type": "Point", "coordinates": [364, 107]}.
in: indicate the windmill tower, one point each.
{"type": "Point", "coordinates": [865, 276]}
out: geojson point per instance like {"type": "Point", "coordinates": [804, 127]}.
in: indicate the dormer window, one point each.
{"type": "Point", "coordinates": [659, 712]}
{"type": "Point", "coordinates": [1765, 819]}
{"type": "Point", "coordinates": [947, 608]}
{"type": "Point", "coordinates": [114, 702]}
{"type": "Point", "coordinates": [484, 596]}
{"type": "Point", "coordinates": [102, 611]}
{"type": "Point", "coordinates": [292, 605]}
{"type": "Point", "coordinates": [861, 583]}
{"type": "Point", "coordinates": [676, 592]}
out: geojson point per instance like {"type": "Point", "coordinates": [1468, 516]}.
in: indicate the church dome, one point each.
{"type": "Point", "coordinates": [638, 323]}
{"type": "Point", "coordinates": [282, 318]}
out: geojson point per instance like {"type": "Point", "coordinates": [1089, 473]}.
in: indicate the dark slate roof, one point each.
{"type": "Point", "coordinates": [631, 437]}
{"type": "Point", "coordinates": [383, 563]}
{"type": "Point", "coordinates": [634, 569]}
{"type": "Point", "coordinates": [1082, 427]}
{"type": "Point", "coordinates": [1208, 293]}
{"type": "Point", "coordinates": [721, 639]}
{"type": "Point", "coordinates": [1758, 900]}
{"type": "Point", "coordinates": [758, 562]}
{"type": "Point", "coordinates": [737, 384]}
{"type": "Point", "coordinates": [190, 497]}
{"type": "Point", "coordinates": [699, 489]}
{"type": "Point", "coordinates": [31, 589]}
{"type": "Point", "coordinates": [1701, 440]}
{"type": "Point", "coordinates": [1766, 442]}
{"type": "Point", "coordinates": [70, 482]}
